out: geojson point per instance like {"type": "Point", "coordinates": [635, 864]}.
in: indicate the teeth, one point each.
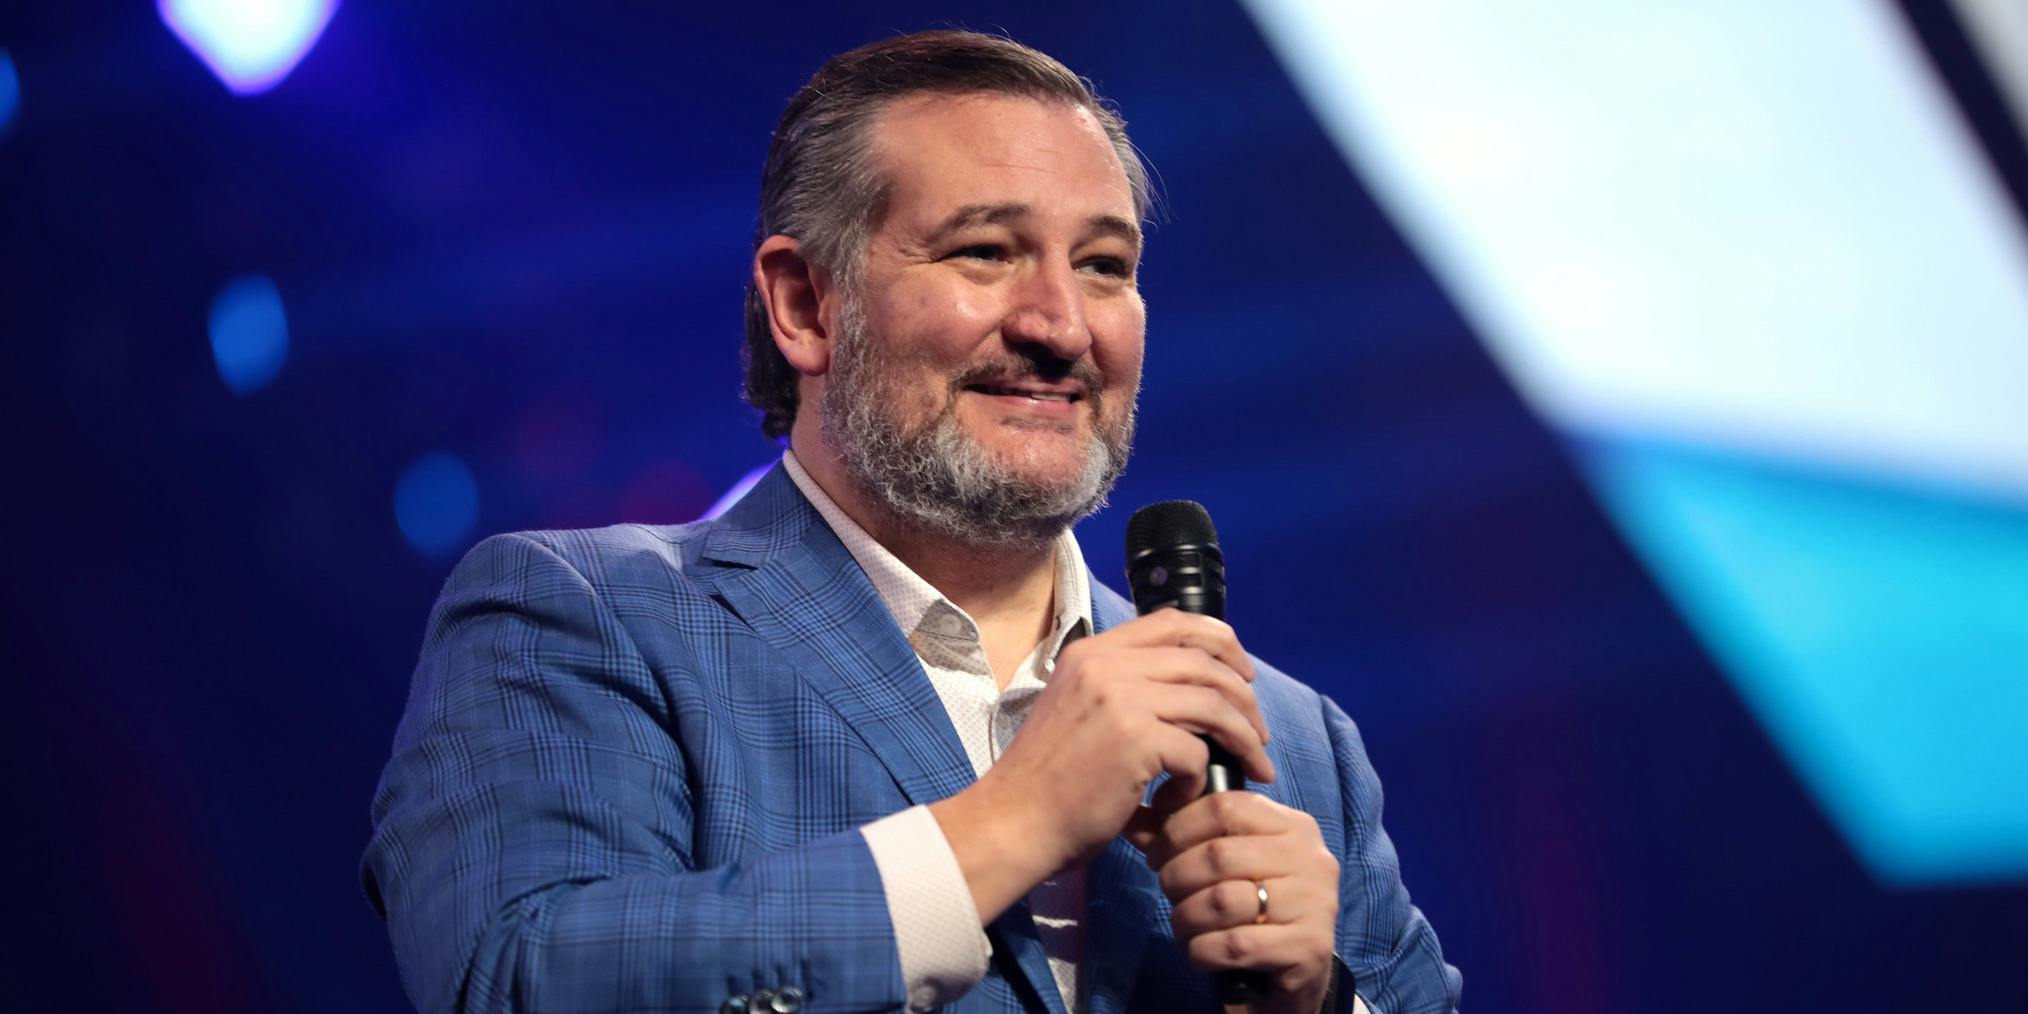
{"type": "Point", "coordinates": [1030, 395]}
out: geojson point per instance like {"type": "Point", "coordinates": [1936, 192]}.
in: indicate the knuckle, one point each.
{"type": "Point", "coordinates": [1238, 948]}
{"type": "Point", "coordinates": [1220, 854]}
{"type": "Point", "coordinates": [1071, 657]}
{"type": "Point", "coordinates": [1212, 625]}
{"type": "Point", "coordinates": [1224, 902]}
{"type": "Point", "coordinates": [1326, 861]}
{"type": "Point", "coordinates": [1227, 808]}
{"type": "Point", "coordinates": [1321, 950]}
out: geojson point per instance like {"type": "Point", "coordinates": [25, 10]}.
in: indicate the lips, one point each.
{"type": "Point", "coordinates": [1032, 391]}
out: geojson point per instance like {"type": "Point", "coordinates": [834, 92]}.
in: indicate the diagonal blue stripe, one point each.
{"type": "Point", "coordinates": [1880, 632]}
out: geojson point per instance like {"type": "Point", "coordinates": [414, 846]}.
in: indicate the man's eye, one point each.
{"type": "Point", "coordinates": [981, 252]}
{"type": "Point", "coordinates": [1111, 266]}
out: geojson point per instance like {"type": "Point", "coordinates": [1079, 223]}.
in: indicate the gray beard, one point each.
{"type": "Point", "coordinates": [938, 480]}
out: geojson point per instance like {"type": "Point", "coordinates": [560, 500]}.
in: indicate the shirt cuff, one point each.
{"type": "Point", "coordinates": [937, 934]}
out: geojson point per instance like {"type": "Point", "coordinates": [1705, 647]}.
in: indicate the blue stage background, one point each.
{"type": "Point", "coordinates": [510, 240]}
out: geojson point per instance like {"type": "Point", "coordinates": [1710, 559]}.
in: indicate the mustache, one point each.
{"type": "Point", "coordinates": [1085, 374]}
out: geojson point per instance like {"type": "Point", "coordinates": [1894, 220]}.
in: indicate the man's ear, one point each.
{"type": "Point", "coordinates": [795, 292]}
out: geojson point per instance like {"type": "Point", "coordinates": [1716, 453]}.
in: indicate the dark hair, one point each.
{"type": "Point", "coordinates": [821, 186]}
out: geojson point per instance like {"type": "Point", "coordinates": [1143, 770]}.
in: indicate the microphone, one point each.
{"type": "Point", "coordinates": [1173, 559]}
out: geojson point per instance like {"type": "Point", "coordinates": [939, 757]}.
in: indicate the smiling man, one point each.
{"type": "Point", "coordinates": [874, 739]}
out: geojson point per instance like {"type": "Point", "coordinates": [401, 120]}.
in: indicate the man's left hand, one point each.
{"type": "Point", "coordinates": [1212, 855]}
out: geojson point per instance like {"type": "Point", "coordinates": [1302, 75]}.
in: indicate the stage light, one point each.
{"type": "Point", "coordinates": [1748, 257]}
{"type": "Point", "coordinates": [250, 44]}
{"type": "Point", "coordinates": [249, 333]}
{"type": "Point", "coordinates": [739, 489]}
{"type": "Point", "coordinates": [10, 92]}
{"type": "Point", "coordinates": [436, 502]}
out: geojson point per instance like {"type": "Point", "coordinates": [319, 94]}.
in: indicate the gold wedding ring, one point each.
{"type": "Point", "coordinates": [1260, 893]}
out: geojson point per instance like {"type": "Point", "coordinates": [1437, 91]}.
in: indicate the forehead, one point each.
{"type": "Point", "coordinates": [942, 152]}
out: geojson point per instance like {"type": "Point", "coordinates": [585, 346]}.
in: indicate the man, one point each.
{"type": "Point", "coordinates": [874, 739]}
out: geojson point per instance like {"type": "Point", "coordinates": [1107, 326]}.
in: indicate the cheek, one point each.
{"type": "Point", "coordinates": [963, 319]}
{"type": "Point", "coordinates": [937, 326]}
{"type": "Point", "coordinates": [1119, 341]}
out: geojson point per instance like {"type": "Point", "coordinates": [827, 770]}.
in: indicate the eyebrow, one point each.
{"type": "Point", "coordinates": [1002, 214]}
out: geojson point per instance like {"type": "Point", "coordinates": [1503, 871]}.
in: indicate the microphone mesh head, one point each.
{"type": "Point", "coordinates": [1169, 523]}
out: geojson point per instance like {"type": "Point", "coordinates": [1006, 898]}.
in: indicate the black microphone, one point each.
{"type": "Point", "coordinates": [1173, 559]}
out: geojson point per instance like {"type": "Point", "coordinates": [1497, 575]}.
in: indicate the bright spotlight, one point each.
{"type": "Point", "coordinates": [250, 44]}
{"type": "Point", "coordinates": [249, 333]}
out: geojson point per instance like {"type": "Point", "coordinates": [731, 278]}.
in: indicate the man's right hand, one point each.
{"type": "Point", "coordinates": [1121, 708]}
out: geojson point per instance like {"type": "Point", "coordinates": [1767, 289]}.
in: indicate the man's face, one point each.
{"type": "Point", "coordinates": [988, 360]}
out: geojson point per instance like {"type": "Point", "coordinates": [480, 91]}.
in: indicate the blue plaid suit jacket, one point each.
{"type": "Point", "coordinates": [634, 761]}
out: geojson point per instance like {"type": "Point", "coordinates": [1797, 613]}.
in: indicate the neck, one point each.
{"type": "Point", "coordinates": [998, 586]}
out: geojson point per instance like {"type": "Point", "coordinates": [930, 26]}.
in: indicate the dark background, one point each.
{"type": "Point", "coordinates": [518, 233]}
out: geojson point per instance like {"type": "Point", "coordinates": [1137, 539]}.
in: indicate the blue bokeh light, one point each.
{"type": "Point", "coordinates": [436, 503]}
{"type": "Point", "coordinates": [250, 44]}
{"type": "Point", "coordinates": [10, 92]}
{"type": "Point", "coordinates": [249, 333]}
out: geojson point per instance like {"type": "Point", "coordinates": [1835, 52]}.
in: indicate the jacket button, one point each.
{"type": "Point", "coordinates": [733, 1005]}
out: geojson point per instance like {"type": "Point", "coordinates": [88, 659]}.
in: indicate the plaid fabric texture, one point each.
{"type": "Point", "coordinates": [634, 762]}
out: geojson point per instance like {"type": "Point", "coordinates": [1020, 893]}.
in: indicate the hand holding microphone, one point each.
{"type": "Point", "coordinates": [1167, 693]}
{"type": "Point", "coordinates": [1254, 889]}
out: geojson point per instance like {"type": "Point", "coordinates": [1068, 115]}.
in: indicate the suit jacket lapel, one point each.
{"type": "Point", "coordinates": [789, 577]}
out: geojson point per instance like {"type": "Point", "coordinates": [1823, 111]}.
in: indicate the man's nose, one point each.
{"type": "Point", "coordinates": [1048, 310]}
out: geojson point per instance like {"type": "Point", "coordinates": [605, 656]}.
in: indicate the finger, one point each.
{"type": "Point", "coordinates": [1194, 821]}
{"type": "Point", "coordinates": [1273, 948]}
{"type": "Point", "coordinates": [1170, 664]}
{"type": "Point", "coordinates": [1231, 903]}
{"type": "Point", "coordinates": [1233, 814]}
{"type": "Point", "coordinates": [1258, 857]}
{"type": "Point", "coordinates": [1206, 711]}
{"type": "Point", "coordinates": [1175, 627]}
{"type": "Point", "coordinates": [1184, 756]}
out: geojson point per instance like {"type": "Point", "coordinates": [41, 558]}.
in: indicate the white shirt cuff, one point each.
{"type": "Point", "coordinates": [943, 947]}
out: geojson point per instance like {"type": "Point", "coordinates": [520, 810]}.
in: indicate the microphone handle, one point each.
{"type": "Point", "coordinates": [1232, 985]}
{"type": "Point", "coordinates": [1222, 773]}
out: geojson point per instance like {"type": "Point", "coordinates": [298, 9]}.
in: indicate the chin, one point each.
{"type": "Point", "coordinates": [1032, 461]}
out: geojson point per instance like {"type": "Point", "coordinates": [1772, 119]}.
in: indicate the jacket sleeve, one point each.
{"type": "Point", "coordinates": [532, 832]}
{"type": "Point", "coordinates": [1389, 948]}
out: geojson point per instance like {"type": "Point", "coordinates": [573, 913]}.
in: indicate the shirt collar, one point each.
{"type": "Point", "coordinates": [910, 599]}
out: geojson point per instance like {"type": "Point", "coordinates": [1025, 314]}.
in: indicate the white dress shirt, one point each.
{"type": "Point", "coordinates": [943, 947]}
